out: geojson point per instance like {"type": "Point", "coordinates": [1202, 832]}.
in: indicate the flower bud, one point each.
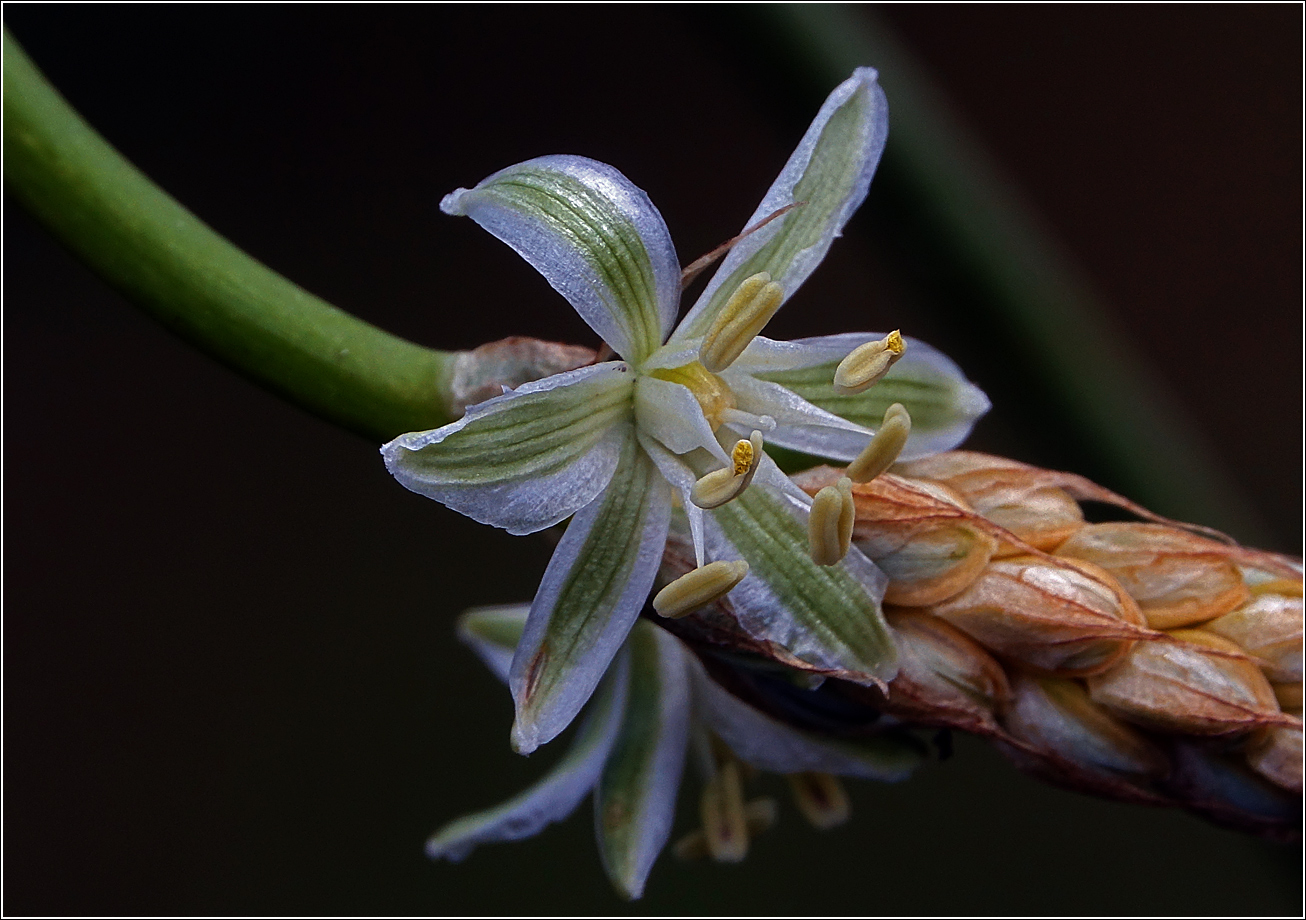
{"type": "Point", "coordinates": [1061, 617]}
{"type": "Point", "coordinates": [1189, 682]}
{"type": "Point", "coordinates": [1221, 785]}
{"type": "Point", "coordinates": [935, 565]}
{"type": "Point", "coordinates": [1270, 630]}
{"type": "Point", "coordinates": [1056, 717]}
{"type": "Point", "coordinates": [944, 677]}
{"type": "Point", "coordinates": [1289, 697]}
{"type": "Point", "coordinates": [1275, 752]}
{"type": "Point", "coordinates": [1010, 494]}
{"type": "Point", "coordinates": [1178, 579]}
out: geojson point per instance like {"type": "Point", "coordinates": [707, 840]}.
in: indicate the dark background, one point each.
{"type": "Point", "coordinates": [230, 680]}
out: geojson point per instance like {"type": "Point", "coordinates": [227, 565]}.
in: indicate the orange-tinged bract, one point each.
{"type": "Point", "coordinates": [1186, 684]}
{"type": "Point", "coordinates": [1011, 495]}
{"type": "Point", "coordinates": [1269, 628]}
{"type": "Point", "coordinates": [1153, 662]}
{"type": "Point", "coordinates": [945, 678]}
{"type": "Point", "coordinates": [1060, 617]}
{"type": "Point", "coordinates": [1177, 578]}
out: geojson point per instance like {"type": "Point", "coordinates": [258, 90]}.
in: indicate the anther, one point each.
{"type": "Point", "coordinates": [867, 364]}
{"type": "Point", "coordinates": [722, 811]}
{"type": "Point", "coordinates": [885, 446]}
{"type": "Point", "coordinates": [821, 798]}
{"type": "Point", "coordinates": [699, 588]}
{"type": "Point", "coordinates": [830, 524]}
{"type": "Point", "coordinates": [749, 309]}
{"type": "Point", "coordinates": [759, 815]}
{"type": "Point", "coordinates": [728, 483]}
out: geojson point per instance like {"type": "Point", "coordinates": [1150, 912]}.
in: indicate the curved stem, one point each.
{"type": "Point", "coordinates": [195, 282]}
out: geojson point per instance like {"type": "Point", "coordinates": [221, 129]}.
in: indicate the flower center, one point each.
{"type": "Point", "coordinates": [713, 395]}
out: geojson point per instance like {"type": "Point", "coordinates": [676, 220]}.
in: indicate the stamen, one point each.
{"type": "Point", "coordinates": [830, 525]}
{"type": "Point", "coordinates": [885, 446]}
{"type": "Point", "coordinates": [759, 816]}
{"type": "Point", "coordinates": [744, 315]}
{"type": "Point", "coordinates": [867, 364]}
{"type": "Point", "coordinates": [722, 811]}
{"type": "Point", "coordinates": [739, 417]}
{"type": "Point", "coordinates": [728, 483]}
{"type": "Point", "coordinates": [821, 798]}
{"type": "Point", "coordinates": [699, 588]}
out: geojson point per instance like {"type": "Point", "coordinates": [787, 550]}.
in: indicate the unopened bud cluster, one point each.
{"type": "Point", "coordinates": [1140, 661]}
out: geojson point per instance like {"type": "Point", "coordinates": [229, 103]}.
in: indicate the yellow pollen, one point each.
{"type": "Point", "coordinates": [742, 456]}
{"type": "Point", "coordinates": [713, 396]}
{"type": "Point", "coordinates": [894, 342]}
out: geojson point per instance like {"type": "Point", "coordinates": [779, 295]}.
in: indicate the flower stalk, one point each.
{"type": "Point", "coordinates": [213, 295]}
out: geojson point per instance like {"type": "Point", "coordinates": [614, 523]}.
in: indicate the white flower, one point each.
{"type": "Point", "coordinates": [612, 443]}
{"type": "Point", "coordinates": [656, 702]}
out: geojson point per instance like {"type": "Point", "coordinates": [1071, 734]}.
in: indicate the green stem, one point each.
{"type": "Point", "coordinates": [209, 292]}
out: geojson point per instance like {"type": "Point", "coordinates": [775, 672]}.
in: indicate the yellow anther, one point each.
{"type": "Point", "coordinates": [713, 396]}
{"type": "Point", "coordinates": [885, 446]}
{"type": "Point", "coordinates": [728, 483]}
{"type": "Point", "coordinates": [759, 815]}
{"type": "Point", "coordinates": [821, 798]}
{"type": "Point", "coordinates": [722, 811]}
{"type": "Point", "coordinates": [744, 315]}
{"type": "Point", "coordinates": [830, 524]}
{"type": "Point", "coordinates": [699, 588]}
{"type": "Point", "coordinates": [867, 364]}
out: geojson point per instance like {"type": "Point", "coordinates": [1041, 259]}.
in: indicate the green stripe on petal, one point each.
{"type": "Point", "coordinates": [635, 800]}
{"type": "Point", "coordinates": [829, 172]}
{"type": "Point", "coordinates": [595, 237]}
{"type": "Point", "coordinates": [557, 794]}
{"type": "Point", "coordinates": [824, 615]}
{"type": "Point", "coordinates": [593, 590]}
{"type": "Point", "coordinates": [943, 404]}
{"type": "Point", "coordinates": [526, 460]}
